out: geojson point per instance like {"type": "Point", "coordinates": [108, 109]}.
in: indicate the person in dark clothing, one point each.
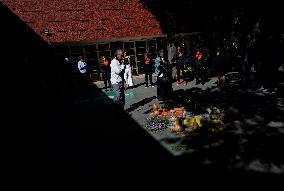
{"type": "Point", "coordinates": [271, 61]}
{"type": "Point", "coordinates": [179, 61]}
{"type": "Point", "coordinates": [105, 72]}
{"type": "Point", "coordinates": [148, 67]}
{"type": "Point", "coordinates": [164, 79]}
{"type": "Point", "coordinates": [220, 64]}
{"type": "Point", "coordinates": [250, 59]}
{"type": "Point", "coordinates": [199, 65]}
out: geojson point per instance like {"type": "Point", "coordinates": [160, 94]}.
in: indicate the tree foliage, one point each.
{"type": "Point", "coordinates": [226, 23]}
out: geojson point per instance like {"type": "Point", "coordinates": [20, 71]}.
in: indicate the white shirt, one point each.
{"type": "Point", "coordinates": [82, 66]}
{"type": "Point", "coordinates": [116, 71]}
{"type": "Point", "coordinates": [128, 66]}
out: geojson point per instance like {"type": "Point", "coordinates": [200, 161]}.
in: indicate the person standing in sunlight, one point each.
{"type": "Point", "coordinates": [128, 71]}
{"type": "Point", "coordinates": [117, 81]}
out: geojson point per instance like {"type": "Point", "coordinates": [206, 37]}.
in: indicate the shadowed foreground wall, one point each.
{"type": "Point", "coordinates": [28, 60]}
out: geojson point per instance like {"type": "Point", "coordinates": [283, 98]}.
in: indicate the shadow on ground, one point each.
{"type": "Point", "coordinates": [85, 142]}
{"type": "Point", "coordinates": [140, 103]}
{"type": "Point", "coordinates": [254, 140]}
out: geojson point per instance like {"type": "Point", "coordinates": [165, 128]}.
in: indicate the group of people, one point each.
{"type": "Point", "coordinates": [116, 72]}
{"type": "Point", "coordinates": [189, 66]}
{"type": "Point", "coordinates": [263, 56]}
{"type": "Point", "coordinates": [117, 75]}
{"type": "Point", "coordinates": [105, 71]}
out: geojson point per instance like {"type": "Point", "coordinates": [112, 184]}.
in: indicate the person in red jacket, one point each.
{"type": "Point", "coordinates": [148, 69]}
{"type": "Point", "coordinates": [105, 72]}
{"type": "Point", "coordinates": [199, 65]}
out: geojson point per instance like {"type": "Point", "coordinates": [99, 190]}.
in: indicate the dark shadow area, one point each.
{"type": "Point", "coordinates": [253, 141]}
{"type": "Point", "coordinates": [82, 139]}
{"type": "Point", "coordinates": [35, 72]}
{"type": "Point", "coordinates": [140, 103]}
{"type": "Point", "coordinates": [88, 143]}
{"type": "Point", "coordinates": [217, 16]}
{"type": "Point", "coordinates": [85, 142]}
{"type": "Point", "coordinates": [252, 146]}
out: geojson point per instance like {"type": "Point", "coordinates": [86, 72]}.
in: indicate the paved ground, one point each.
{"type": "Point", "coordinates": [90, 141]}
{"type": "Point", "coordinates": [254, 114]}
{"type": "Point", "coordinates": [139, 102]}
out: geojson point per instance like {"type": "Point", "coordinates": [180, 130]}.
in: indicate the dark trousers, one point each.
{"type": "Point", "coordinates": [180, 70]}
{"type": "Point", "coordinates": [119, 94]}
{"type": "Point", "coordinates": [148, 74]}
{"type": "Point", "coordinates": [107, 81]}
{"type": "Point", "coordinates": [164, 89]}
{"type": "Point", "coordinates": [246, 74]}
{"type": "Point", "coordinates": [106, 78]}
{"type": "Point", "coordinates": [200, 74]}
